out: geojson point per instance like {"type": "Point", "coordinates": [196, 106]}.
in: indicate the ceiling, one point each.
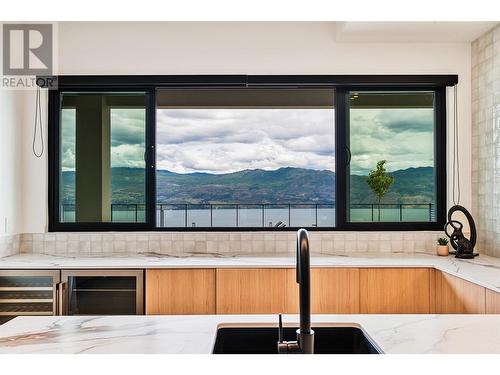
{"type": "Point", "coordinates": [413, 32]}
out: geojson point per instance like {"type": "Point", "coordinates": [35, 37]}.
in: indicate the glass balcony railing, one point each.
{"type": "Point", "coordinates": [245, 215]}
{"type": "Point", "coordinates": [320, 215]}
{"type": "Point", "coordinates": [392, 212]}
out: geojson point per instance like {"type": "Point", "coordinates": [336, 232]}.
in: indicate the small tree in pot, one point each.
{"type": "Point", "coordinates": [379, 181]}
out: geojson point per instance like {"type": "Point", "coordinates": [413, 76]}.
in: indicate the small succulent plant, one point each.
{"type": "Point", "coordinates": [443, 241]}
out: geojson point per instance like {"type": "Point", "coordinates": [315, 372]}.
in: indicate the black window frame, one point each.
{"type": "Point", "coordinates": [342, 84]}
{"type": "Point", "coordinates": [54, 158]}
{"type": "Point", "coordinates": [342, 152]}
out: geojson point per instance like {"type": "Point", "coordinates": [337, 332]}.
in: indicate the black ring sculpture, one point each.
{"type": "Point", "coordinates": [464, 248]}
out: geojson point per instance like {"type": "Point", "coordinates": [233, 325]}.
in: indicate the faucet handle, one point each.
{"type": "Point", "coordinates": [285, 346]}
{"type": "Point", "coordinates": [280, 329]}
{"type": "Point", "coordinates": [282, 345]}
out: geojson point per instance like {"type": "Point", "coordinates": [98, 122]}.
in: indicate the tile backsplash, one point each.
{"type": "Point", "coordinates": [223, 243]}
{"type": "Point", "coordinates": [9, 244]}
{"type": "Point", "coordinates": [485, 53]}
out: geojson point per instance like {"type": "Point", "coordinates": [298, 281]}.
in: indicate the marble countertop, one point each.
{"type": "Point", "coordinates": [483, 270]}
{"type": "Point", "coordinates": [393, 334]}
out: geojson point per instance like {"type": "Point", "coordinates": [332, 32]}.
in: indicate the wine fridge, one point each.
{"type": "Point", "coordinates": [71, 292]}
{"type": "Point", "coordinates": [101, 292]}
{"type": "Point", "coordinates": [28, 292]}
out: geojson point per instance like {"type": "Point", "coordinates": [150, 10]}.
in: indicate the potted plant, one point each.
{"type": "Point", "coordinates": [442, 248]}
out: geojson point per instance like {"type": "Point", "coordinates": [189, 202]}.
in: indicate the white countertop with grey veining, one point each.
{"type": "Point", "coordinates": [393, 334]}
{"type": "Point", "coordinates": [482, 270]}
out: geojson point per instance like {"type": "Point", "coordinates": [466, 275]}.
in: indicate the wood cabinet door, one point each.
{"type": "Point", "coordinates": [492, 302]}
{"type": "Point", "coordinates": [254, 291]}
{"type": "Point", "coordinates": [457, 296]}
{"type": "Point", "coordinates": [335, 291]}
{"type": "Point", "coordinates": [180, 291]}
{"type": "Point", "coordinates": [394, 290]}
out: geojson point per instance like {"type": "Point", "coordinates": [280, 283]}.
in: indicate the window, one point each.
{"type": "Point", "coordinates": [397, 127]}
{"type": "Point", "coordinates": [245, 158]}
{"type": "Point", "coordinates": [102, 167]}
{"type": "Point", "coordinates": [247, 152]}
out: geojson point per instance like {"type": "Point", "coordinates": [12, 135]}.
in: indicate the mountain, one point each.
{"type": "Point", "coordinates": [412, 185]}
{"type": "Point", "coordinates": [283, 185]}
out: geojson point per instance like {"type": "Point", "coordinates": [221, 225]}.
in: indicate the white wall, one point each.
{"type": "Point", "coordinates": [34, 189]}
{"type": "Point", "coordinates": [245, 48]}
{"type": "Point", "coordinates": [11, 161]}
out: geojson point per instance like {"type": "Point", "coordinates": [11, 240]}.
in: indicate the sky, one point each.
{"type": "Point", "coordinates": [127, 138]}
{"type": "Point", "coordinates": [68, 151]}
{"type": "Point", "coordinates": [228, 140]}
{"type": "Point", "coordinates": [403, 137]}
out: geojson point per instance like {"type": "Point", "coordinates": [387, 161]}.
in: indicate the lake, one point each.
{"type": "Point", "coordinates": [179, 216]}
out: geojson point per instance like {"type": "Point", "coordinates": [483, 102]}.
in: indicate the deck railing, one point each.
{"type": "Point", "coordinates": [246, 215]}
{"type": "Point", "coordinates": [396, 210]}
{"type": "Point", "coordinates": [263, 215]}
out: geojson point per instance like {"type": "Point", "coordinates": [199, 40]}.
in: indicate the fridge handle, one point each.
{"type": "Point", "coordinates": [61, 299]}
{"type": "Point", "coordinates": [55, 299]}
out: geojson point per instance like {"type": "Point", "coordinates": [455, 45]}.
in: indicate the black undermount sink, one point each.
{"type": "Point", "coordinates": [263, 340]}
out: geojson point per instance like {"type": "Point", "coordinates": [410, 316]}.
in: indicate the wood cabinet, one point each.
{"type": "Point", "coordinates": [492, 302]}
{"type": "Point", "coordinates": [180, 291]}
{"type": "Point", "coordinates": [394, 290]}
{"type": "Point", "coordinates": [456, 296]}
{"type": "Point", "coordinates": [432, 291]}
{"type": "Point", "coordinates": [255, 291]}
{"type": "Point", "coordinates": [335, 290]}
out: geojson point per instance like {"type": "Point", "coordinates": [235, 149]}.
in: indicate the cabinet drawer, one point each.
{"type": "Point", "coordinates": [255, 291]}
{"type": "Point", "coordinates": [180, 291]}
{"type": "Point", "coordinates": [394, 290]}
{"type": "Point", "coordinates": [334, 290]}
{"type": "Point", "coordinates": [457, 296]}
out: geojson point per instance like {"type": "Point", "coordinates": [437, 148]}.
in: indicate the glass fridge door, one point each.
{"type": "Point", "coordinates": [103, 293]}
{"type": "Point", "coordinates": [24, 292]}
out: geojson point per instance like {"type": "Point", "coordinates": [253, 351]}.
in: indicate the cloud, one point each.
{"type": "Point", "coordinates": [68, 147]}
{"type": "Point", "coordinates": [407, 120]}
{"type": "Point", "coordinates": [69, 160]}
{"type": "Point", "coordinates": [127, 138]}
{"type": "Point", "coordinates": [403, 137]}
{"type": "Point", "coordinates": [128, 126]}
{"type": "Point", "coordinates": [228, 140]}
{"type": "Point", "coordinates": [128, 155]}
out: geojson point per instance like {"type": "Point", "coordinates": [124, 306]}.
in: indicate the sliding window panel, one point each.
{"type": "Point", "coordinates": [102, 167]}
{"type": "Point", "coordinates": [245, 158]}
{"type": "Point", "coordinates": [391, 145]}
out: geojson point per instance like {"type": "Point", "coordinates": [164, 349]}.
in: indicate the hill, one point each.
{"type": "Point", "coordinates": [412, 185]}
{"type": "Point", "coordinates": [283, 185]}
